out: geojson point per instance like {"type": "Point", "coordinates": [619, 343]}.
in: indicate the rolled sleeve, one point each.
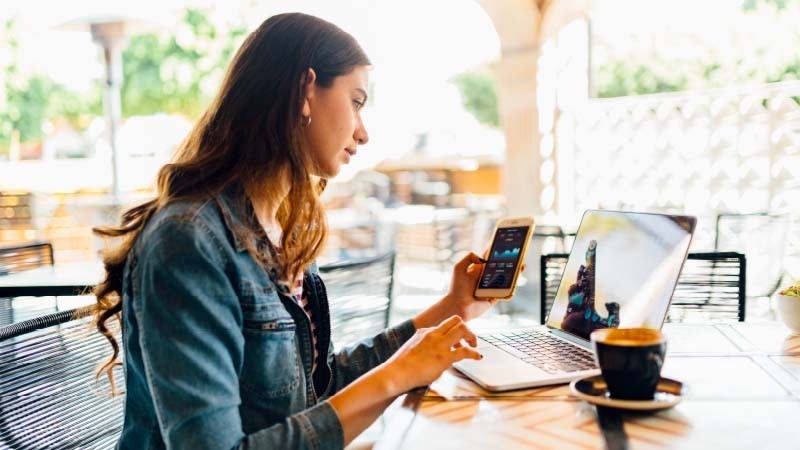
{"type": "Point", "coordinates": [316, 428]}
{"type": "Point", "coordinates": [359, 358]}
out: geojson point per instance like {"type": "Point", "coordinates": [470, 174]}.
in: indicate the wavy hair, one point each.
{"type": "Point", "coordinates": [250, 132]}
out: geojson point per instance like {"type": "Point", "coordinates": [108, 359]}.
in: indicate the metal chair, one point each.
{"type": "Point", "coordinates": [48, 395]}
{"type": "Point", "coordinates": [360, 295]}
{"type": "Point", "coordinates": [18, 258]}
{"type": "Point", "coordinates": [710, 288]}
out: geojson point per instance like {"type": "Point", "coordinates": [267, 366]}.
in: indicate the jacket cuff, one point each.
{"type": "Point", "coordinates": [322, 426]}
{"type": "Point", "coordinates": [399, 334]}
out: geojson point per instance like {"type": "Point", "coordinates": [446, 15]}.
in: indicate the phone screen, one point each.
{"type": "Point", "coordinates": [503, 258]}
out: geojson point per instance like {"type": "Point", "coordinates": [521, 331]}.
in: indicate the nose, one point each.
{"type": "Point", "coordinates": [360, 135]}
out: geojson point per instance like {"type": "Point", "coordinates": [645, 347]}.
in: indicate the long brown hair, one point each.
{"type": "Point", "coordinates": [249, 133]}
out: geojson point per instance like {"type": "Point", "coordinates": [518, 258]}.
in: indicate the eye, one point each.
{"type": "Point", "coordinates": [358, 104]}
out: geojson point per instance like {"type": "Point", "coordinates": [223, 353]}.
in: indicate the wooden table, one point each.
{"type": "Point", "coordinates": [58, 280]}
{"type": "Point", "coordinates": [743, 392]}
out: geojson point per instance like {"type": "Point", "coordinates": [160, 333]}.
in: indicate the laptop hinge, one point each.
{"type": "Point", "coordinates": [575, 340]}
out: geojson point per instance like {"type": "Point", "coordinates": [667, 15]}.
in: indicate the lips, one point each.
{"type": "Point", "coordinates": [350, 153]}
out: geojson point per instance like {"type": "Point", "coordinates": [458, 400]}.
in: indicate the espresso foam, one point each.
{"type": "Point", "coordinates": [628, 337]}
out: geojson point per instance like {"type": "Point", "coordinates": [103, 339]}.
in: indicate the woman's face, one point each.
{"type": "Point", "coordinates": [336, 128]}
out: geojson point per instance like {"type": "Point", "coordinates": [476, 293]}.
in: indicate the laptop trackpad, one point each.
{"type": "Point", "coordinates": [498, 368]}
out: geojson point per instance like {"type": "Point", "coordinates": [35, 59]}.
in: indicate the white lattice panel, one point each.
{"type": "Point", "coordinates": [700, 152]}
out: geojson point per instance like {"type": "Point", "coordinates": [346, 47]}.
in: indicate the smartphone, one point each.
{"type": "Point", "coordinates": [510, 242]}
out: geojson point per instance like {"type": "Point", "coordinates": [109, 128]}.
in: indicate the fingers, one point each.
{"type": "Point", "coordinates": [465, 352]}
{"type": "Point", "coordinates": [453, 330]}
{"type": "Point", "coordinates": [448, 324]}
{"type": "Point", "coordinates": [466, 261]}
{"type": "Point", "coordinates": [460, 331]}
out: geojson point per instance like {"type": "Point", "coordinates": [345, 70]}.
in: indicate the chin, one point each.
{"type": "Point", "coordinates": [330, 172]}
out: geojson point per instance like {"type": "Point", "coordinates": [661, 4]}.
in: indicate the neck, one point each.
{"type": "Point", "coordinates": [266, 203]}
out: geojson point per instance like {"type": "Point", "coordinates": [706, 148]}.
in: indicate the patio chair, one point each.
{"type": "Point", "coordinates": [763, 238]}
{"type": "Point", "coordinates": [710, 288]}
{"type": "Point", "coordinates": [360, 295]}
{"type": "Point", "coordinates": [18, 258]}
{"type": "Point", "coordinates": [48, 395]}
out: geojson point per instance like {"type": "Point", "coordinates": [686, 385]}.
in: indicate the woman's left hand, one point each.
{"type": "Point", "coordinates": [461, 296]}
{"type": "Point", "coordinates": [460, 299]}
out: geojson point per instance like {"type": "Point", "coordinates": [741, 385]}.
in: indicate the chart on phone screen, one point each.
{"type": "Point", "coordinates": [503, 258]}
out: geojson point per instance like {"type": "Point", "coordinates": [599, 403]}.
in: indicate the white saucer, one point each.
{"type": "Point", "coordinates": [593, 389]}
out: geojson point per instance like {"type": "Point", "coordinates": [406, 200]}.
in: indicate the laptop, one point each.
{"type": "Point", "coordinates": [621, 272]}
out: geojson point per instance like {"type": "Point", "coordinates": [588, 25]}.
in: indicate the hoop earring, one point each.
{"type": "Point", "coordinates": [306, 121]}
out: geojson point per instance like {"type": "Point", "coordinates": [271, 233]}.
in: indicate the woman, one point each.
{"type": "Point", "coordinates": [225, 330]}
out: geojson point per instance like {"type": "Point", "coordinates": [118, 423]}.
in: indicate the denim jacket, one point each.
{"type": "Point", "coordinates": [214, 357]}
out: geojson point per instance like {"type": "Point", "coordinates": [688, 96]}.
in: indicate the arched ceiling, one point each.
{"type": "Point", "coordinates": [523, 24]}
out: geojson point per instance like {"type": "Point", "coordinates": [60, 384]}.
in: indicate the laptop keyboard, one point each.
{"type": "Point", "coordinates": [543, 351]}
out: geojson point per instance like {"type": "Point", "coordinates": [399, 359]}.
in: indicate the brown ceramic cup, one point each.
{"type": "Point", "coordinates": [630, 360]}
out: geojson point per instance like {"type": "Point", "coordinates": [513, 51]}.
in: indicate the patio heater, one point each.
{"type": "Point", "coordinates": [109, 31]}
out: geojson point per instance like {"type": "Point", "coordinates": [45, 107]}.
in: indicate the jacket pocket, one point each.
{"type": "Point", "coordinates": [270, 366]}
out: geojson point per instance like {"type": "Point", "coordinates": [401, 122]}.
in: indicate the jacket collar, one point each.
{"type": "Point", "coordinates": [238, 215]}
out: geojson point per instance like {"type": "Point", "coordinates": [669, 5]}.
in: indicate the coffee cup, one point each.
{"type": "Point", "coordinates": [630, 360]}
{"type": "Point", "coordinates": [789, 311]}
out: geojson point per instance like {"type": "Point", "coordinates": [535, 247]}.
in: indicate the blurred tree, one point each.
{"type": "Point", "coordinates": [623, 78]}
{"type": "Point", "coordinates": [751, 5]}
{"type": "Point", "coordinates": [762, 58]}
{"type": "Point", "coordinates": [479, 95]}
{"type": "Point", "coordinates": [25, 99]}
{"type": "Point", "coordinates": [31, 99]}
{"type": "Point", "coordinates": [174, 72]}
{"type": "Point", "coordinates": [177, 72]}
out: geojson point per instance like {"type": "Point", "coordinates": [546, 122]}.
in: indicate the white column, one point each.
{"type": "Point", "coordinates": [516, 85]}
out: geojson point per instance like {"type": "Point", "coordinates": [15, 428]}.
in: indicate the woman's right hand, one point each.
{"type": "Point", "coordinates": [431, 351]}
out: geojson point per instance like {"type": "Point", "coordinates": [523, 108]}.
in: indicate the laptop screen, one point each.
{"type": "Point", "coordinates": [621, 271]}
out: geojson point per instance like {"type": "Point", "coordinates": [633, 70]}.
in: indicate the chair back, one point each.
{"type": "Point", "coordinates": [710, 288]}
{"type": "Point", "coordinates": [551, 269]}
{"type": "Point", "coordinates": [360, 294]}
{"type": "Point", "coordinates": [17, 258]}
{"type": "Point", "coordinates": [48, 395]}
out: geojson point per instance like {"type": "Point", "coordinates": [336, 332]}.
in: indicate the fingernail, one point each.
{"type": "Point", "coordinates": [483, 260]}
{"type": "Point", "coordinates": [481, 355]}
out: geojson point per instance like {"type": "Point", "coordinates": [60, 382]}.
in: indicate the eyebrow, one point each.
{"type": "Point", "coordinates": [364, 93]}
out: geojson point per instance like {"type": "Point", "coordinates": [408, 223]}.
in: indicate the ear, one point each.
{"type": "Point", "coordinates": [310, 87]}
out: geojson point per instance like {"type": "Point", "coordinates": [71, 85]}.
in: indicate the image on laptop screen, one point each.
{"type": "Point", "coordinates": [621, 271]}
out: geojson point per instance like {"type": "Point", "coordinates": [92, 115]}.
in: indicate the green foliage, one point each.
{"type": "Point", "coordinates": [789, 72]}
{"type": "Point", "coordinates": [169, 72]}
{"type": "Point", "coordinates": [750, 5]}
{"type": "Point", "coordinates": [176, 73]}
{"type": "Point", "coordinates": [31, 100]}
{"type": "Point", "coordinates": [622, 78]}
{"type": "Point", "coordinates": [478, 92]}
